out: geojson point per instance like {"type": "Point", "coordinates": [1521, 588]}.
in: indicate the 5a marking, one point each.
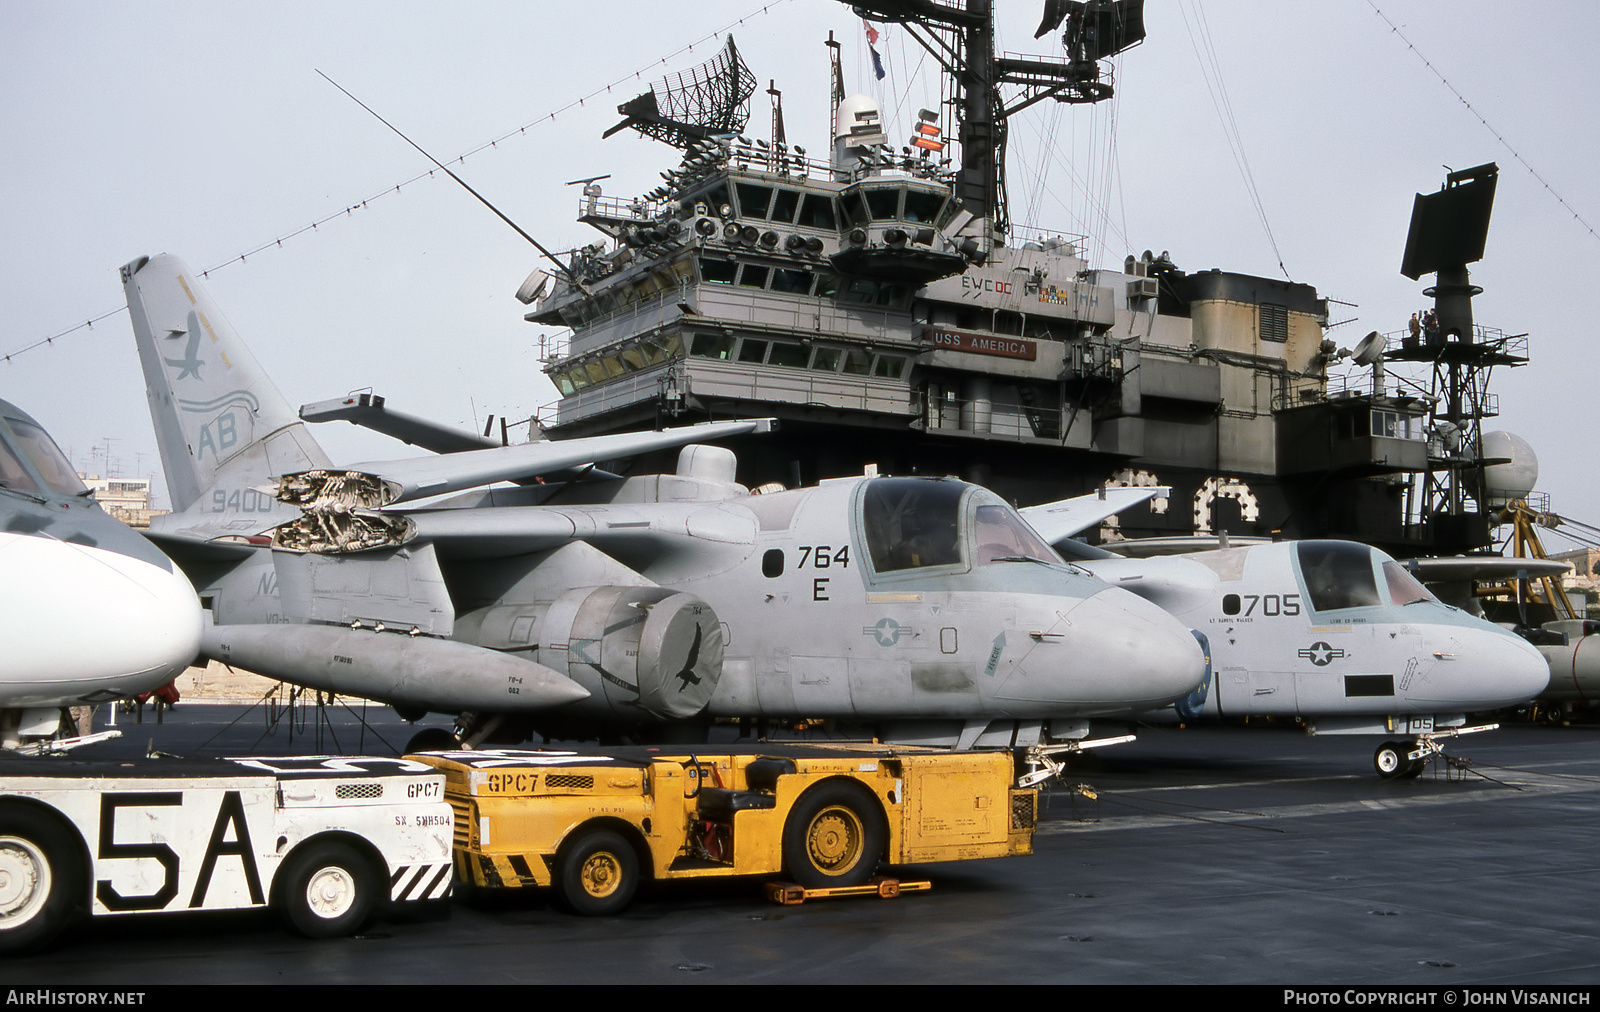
{"type": "Point", "coordinates": [230, 821]}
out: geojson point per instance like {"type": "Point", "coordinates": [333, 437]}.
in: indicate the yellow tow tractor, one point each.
{"type": "Point", "coordinates": [590, 824]}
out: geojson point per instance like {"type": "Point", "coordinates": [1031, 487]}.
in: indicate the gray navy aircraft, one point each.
{"type": "Point", "coordinates": [1333, 632]}
{"type": "Point", "coordinates": [923, 608]}
{"type": "Point", "coordinates": [89, 610]}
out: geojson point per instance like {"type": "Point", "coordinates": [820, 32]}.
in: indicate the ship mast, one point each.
{"type": "Point", "coordinates": [960, 36]}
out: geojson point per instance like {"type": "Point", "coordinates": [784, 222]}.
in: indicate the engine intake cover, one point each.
{"type": "Point", "coordinates": [637, 648]}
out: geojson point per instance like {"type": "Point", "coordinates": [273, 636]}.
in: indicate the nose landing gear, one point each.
{"type": "Point", "coordinates": [1400, 760]}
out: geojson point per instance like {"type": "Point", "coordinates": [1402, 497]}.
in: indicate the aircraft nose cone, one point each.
{"type": "Point", "coordinates": [1117, 653]}
{"type": "Point", "coordinates": [1485, 669]}
{"type": "Point", "coordinates": [76, 620]}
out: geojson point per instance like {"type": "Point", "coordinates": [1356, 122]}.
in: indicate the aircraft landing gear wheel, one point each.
{"type": "Point", "coordinates": [1391, 762]}
{"type": "Point", "coordinates": [833, 837]}
{"type": "Point", "coordinates": [327, 890]}
{"type": "Point", "coordinates": [1414, 770]}
{"type": "Point", "coordinates": [39, 881]}
{"type": "Point", "coordinates": [596, 874]}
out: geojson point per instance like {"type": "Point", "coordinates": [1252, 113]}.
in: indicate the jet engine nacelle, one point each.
{"type": "Point", "coordinates": [635, 648]}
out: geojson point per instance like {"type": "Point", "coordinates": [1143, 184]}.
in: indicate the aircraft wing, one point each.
{"type": "Point", "coordinates": [398, 481]}
{"type": "Point", "coordinates": [1058, 521]}
{"type": "Point", "coordinates": [1484, 567]}
{"type": "Point", "coordinates": [517, 530]}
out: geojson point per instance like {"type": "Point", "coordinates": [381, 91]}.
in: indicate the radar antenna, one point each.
{"type": "Point", "coordinates": [708, 100]}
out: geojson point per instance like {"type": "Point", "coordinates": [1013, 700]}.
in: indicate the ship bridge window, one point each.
{"type": "Point", "coordinates": [827, 359]}
{"type": "Point", "coordinates": [1338, 574]}
{"type": "Point", "coordinates": [857, 362]}
{"type": "Point", "coordinates": [828, 285]}
{"type": "Point", "coordinates": [1396, 425]}
{"type": "Point", "coordinates": [784, 203]}
{"type": "Point", "coordinates": [894, 296]}
{"type": "Point", "coordinates": [753, 200]}
{"type": "Point", "coordinates": [870, 293]}
{"type": "Point", "coordinates": [715, 198]}
{"type": "Point", "coordinates": [669, 346]}
{"type": "Point", "coordinates": [752, 350]}
{"type": "Point", "coordinates": [789, 354]}
{"type": "Point", "coordinates": [923, 208]}
{"type": "Point", "coordinates": [792, 282]}
{"type": "Point", "coordinates": [912, 523]}
{"type": "Point", "coordinates": [860, 290]}
{"type": "Point", "coordinates": [753, 277]}
{"type": "Point", "coordinates": [855, 209]}
{"type": "Point", "coordinates": [714, 346]}
{"type": "Point", "coordinates": [884, 204]}
{"type": "Point", "coordinates": [889, 366]}
{"type": "Point", "coordinates": [633, 358]}
{"type": "Point", "coordinates": [718, 272]}
{"type": "Point", "coordinates": [817, 212]}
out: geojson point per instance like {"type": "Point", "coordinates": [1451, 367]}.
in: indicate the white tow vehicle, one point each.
{"type": "Point", "coordinates": [323, 840]}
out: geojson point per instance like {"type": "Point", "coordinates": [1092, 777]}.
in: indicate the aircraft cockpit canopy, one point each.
{"type": "Point", "coordinates": [1341, 574]}
{"type": "Point", "coordinates": [29, 457]}
{"type": "Point", "coordinates": [915, 523]}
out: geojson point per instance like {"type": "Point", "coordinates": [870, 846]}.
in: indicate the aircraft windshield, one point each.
{"type": "Point", "coordinates": [1004, 537]}
{"type": "Point", "coordinates": [911, 523]}
{"type": "Point", "coordinates": [47, 458]}
{"type": "Point", "coordinates": [1338, 574]}
{"type": "Point", "coordinates": [1403, 587]}
{"type": "Point", "coordinates": [12, 473]}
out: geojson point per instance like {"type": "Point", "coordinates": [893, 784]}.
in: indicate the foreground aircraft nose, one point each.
{"type": "Point", "coordinates": [1483, 669]}
{"type": "Point", "coordinates": [1114, 653]}
{"type": "Point", "coordinates": [80, 621]}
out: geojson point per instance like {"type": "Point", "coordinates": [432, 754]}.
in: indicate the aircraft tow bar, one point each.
{"type": "Point", "coordinates": [1043, 764]}
{"type": "Point", "coordinates": [1426, 745]}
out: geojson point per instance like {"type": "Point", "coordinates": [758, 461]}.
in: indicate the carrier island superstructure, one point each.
{"type": "Point", "coordinates": [881, 304]}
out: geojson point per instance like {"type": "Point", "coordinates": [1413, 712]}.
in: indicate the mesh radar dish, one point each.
{"type": "Point", "coordinates": [706, 101]}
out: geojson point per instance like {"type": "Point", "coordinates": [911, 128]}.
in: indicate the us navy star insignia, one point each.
{"type": "Point", "coordinates": [1320, 653]}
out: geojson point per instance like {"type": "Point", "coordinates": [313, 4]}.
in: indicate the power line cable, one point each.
{"type": "Point", "coordinates": [1394, 28]}
{"type": "Point", "coordinates": [350, 209]}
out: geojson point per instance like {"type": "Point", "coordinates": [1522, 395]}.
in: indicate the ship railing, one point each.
{"type": "Point", "coordinates": [1069, 243]}
{"type": "Point", "coordinates": [1299, 391]}
{"type": "Point", "coordinates": [997, 419]}
{"type": "Point", "coordinates": [635, 209]}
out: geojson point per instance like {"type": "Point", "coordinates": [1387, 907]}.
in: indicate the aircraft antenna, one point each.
{"type": "Point", "coordinates": [481, 199]}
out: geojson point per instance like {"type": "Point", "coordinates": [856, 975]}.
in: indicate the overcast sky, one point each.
{"type": "Point", "coordinates": [203, 130]}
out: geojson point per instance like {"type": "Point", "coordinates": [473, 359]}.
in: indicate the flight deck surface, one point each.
{"type": "Point", "coordinates": [1236, 855]}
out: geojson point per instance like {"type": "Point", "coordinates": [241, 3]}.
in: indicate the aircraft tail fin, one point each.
{"type": "Point", "coordinates": [222, 425]}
